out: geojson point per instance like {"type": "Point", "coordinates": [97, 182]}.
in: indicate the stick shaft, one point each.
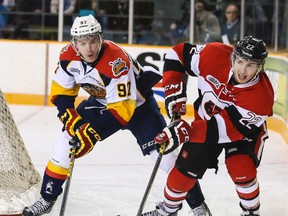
{"type": "Point", "coordinates": [67, 184]}
{"type": "Point", "coordinates": [154, 172]}
{"type": "Point", "coordinates": [150, 183]}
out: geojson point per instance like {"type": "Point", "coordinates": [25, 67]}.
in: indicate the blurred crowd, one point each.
{"type": "Point", "coordinates": [154, 22]}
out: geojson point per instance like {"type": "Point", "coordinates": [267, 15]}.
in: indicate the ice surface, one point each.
{"type": "Point", "coordinates": [111, 180]}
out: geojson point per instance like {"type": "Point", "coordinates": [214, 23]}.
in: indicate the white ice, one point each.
{"type": "Point", "coordinates": [111, 180]}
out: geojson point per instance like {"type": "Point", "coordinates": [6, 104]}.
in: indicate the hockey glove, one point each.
{"type": "Point", "coordinates": [85, 139]}
{"type": "Point", "coordinates": [173, 135]}
{"type": "Point", "coordinates": [175, 98]}
{"type": "Point", "coordinates": [71, 120]}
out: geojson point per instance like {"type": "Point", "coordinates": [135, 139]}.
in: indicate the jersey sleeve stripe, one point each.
{"type": "Point", "coordinates": [212, 135]}
{"type": "Point", "coordinates": [172, 65]}
{"type": "Point", "coordinates": [243, 124]}
{"type": "Point", "coordinates": [223, 137]}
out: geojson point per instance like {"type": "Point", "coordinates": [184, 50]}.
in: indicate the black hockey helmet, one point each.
{"type": "Point", "coordinates": [251, 49]}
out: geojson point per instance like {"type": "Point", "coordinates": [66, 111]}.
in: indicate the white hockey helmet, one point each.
{"type": "Point", "coordinates": [85, 26]}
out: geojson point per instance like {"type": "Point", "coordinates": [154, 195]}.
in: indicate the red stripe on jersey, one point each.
{"type": "Point", "coordinates": [118, 117]}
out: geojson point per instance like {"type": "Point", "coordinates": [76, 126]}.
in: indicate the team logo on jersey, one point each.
{"type": "Point", "coordinates": [214, 81]}
{"type": "Point", "coordinates": [74, 70]}
{"type": "Point", "coordinates": [185, 154]}
{"type": "Point", "coordinates": [217, 99]}
{"type": "Point", "coordinates": [220, 88]}
{"type": "Point", "coordinates": [211, 109]}
{"type": "Point", "coordinates": [118, 66]}
{"type": "Point", "coordinates": [94, 90]}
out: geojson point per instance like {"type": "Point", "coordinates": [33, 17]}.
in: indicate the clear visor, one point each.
{"type": "Point", "coordinates": [247, 58]}
{"type": "Point", "coordinates": [95, 36]}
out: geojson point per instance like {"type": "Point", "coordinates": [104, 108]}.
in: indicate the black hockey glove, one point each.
{"type": "Point", "coordinates": [71, 120]}
{"type": "Point", "coordinates": [84, 140]}
{"type": "Point", "coordinates": [175, 98]}
{"type": "Point", "coordinates": [173, 135]}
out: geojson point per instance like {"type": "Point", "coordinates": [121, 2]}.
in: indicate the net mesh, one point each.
{"type": "Point", "coordinates": [19, 179]}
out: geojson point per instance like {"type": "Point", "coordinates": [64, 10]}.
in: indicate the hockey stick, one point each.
{"type": "Point", "coordinates": [153, 175]}
{"type": "Point", "coordinates": [68, 182]}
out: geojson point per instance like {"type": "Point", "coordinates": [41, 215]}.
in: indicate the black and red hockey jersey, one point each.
{"type": "Point", "coordinates": [224, 113]}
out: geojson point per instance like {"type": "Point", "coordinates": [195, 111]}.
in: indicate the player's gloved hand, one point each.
{"type": "Point", "coordinates": [173, 135]}
{"type": "Point", "coordinates": [85, 139]}
{"type": "Point", "coordinates": [71, 120]}
{"type": "Point", "coordinates": [175, 98]}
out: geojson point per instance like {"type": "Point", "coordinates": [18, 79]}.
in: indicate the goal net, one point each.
{"type": "Point", "coordinates": [19, 181]}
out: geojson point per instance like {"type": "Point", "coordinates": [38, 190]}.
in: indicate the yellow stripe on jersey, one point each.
{"type": "Point", "coordinates": [125, 108]}
{"type": "Point", "coordinates": [56, 169]}
{"type": "Point", "coordinates": [57, 89]}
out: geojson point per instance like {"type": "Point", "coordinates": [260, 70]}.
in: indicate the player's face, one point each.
{"type": "Point", "coordinates": [244, 70]}
{"type": "Point", "coordinates": [89, 48]}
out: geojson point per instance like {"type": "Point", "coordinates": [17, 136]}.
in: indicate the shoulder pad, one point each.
{"type": "Point", "coordinates": [68, 53]}
{"type": "Point", "coordinates": [114, 60]}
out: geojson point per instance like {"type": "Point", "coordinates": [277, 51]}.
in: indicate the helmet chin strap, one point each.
{"type": "Point", "coordinates": [253, 78]}
{"type": "Point", "coordinates": [257, 72]}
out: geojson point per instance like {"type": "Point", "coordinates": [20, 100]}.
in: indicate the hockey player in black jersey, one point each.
{"type": "Point", "coordinates": [235, 99]}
